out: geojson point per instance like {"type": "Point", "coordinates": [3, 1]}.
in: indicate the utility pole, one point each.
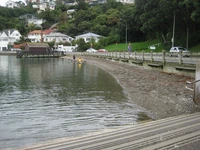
{"type": "Point", "coordinates": [126, 33]}
{"type": "Point", "coordinates": [173, 30]}
{"type": "Point", "coordinates": [187, 41]}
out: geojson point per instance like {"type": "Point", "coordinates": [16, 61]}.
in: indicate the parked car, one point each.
{"type": "Point", "coordinates": [174, 51]}
{"type": "Point", "coordinates": [91, 50]}
{"type": "Point", "coordinates": [102, 50]}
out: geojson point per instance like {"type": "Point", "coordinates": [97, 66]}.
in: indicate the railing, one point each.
{"type": "Point", "coordinates": [192, 84]}
{"type": "Point", "coordinates": [195, 85]}
{"type": "Point", "coordinates": [144, 56]}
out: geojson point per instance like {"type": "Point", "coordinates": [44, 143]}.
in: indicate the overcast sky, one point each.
{"type": "Point", "coordinates": [2, 2]}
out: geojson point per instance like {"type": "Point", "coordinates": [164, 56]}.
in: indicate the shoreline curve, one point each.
{"type": "Point", "coordinates": [162, 94]}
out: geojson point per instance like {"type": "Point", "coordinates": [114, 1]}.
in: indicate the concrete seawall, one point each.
{"type": "Point", "coordinates": [186, 70]}
{"type": "Point", "coordinates": [168, 67]}
{"type": "Point", "coordinates": [8, 53]}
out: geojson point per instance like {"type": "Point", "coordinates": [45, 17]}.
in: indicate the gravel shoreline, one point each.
{"type": "Point", "coordinates": [161, 94]}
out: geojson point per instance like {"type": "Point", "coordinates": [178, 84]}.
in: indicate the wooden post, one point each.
{"type": "Point", "coordinates": [135, 55]}
{"type": "Point", "coordinates": [142, 55]}
{"type": "Point", "coordinates": [152, 56]}
{"type": "Point", "coordinates": [197, 85]}
{"type": "Point", "coordinates": [163, 57]}
{"type": "Point", "coordinates": [180, 57]}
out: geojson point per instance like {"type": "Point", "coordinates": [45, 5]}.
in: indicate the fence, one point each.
{"type": "Point", "coordinates": [162, 57]}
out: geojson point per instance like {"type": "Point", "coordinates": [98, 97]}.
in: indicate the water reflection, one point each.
{"type": "Point", "coordinates": [43, 99]}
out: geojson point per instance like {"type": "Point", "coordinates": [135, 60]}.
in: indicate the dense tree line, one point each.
{"type": "Point", "coordinates": [146, 19]}
{"type": "Point", "coordinates": [9, 18]}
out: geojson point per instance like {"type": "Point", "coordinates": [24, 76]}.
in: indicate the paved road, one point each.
{"type": "Point", "coordinates": [180, 133]}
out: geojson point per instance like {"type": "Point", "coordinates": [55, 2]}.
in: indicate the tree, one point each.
{"type": "Point", "coordinates": [82, 46]}
{"type": "Point", "coordinates": [82, 5]}
{"type": "Point", "coordinates": [156, 18]}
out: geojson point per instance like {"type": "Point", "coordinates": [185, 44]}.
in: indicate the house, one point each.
{"type": "Point", "coordinates": [14, 4]}
{"type": "Point", "coordinates": [28, 16]}
{"type": "Point", "coordinates": [42, 5]}
{"type": "Point", "coordinates": [3, 45]}
{"type": "Point", "coordinates": [37, 48]}
{"type": "Point", "coordinates": [8, 37]}
{"type": "Point", "coordinates": [38, 35]}
{"type": "Point", "coordinates": [30, 19]}
{"type": "Point", "coordinates": [57, 37]}
{"type": "Point", "coordinates": [40, 1]}
{"type": "Point", "coordinates": [11, 34]}
{"type": "Point", "coordinates": [11, 4]}
{"type": "Point", "coordinates": [89, 36]}
{"type": "Point", "coordinates": [95, 2]}
{"type": "Point", "coordinates": [36, 22]}
{"type": "Point", "coordinates": [70, 12]}
{"type": "Point", "coordinates": [70, 3]}
{"type": "Point", "coordinates": [33, 1]}
{"type": "Point", "coordinates": [126, 1]}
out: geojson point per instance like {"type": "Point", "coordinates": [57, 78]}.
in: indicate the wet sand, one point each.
{"type": "Point", "coordinates": [161, 94]}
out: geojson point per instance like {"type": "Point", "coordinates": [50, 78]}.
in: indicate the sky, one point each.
{"type": "Point", "coordinates": [3, 2]}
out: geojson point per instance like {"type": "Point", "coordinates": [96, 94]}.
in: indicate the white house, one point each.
{"type": "Point", "coordinates": [28, 16]}
{"type": "Point", "coordinates": [36, 22]}
{"type": "Point", "coordinates": [32, 19]}
{"type": "Point", "coordinates": [10, 35]}
{"type": "Point", "coordinates": [3, 44]}
{"type": "Point", "coordinates": [126, 1]}
{"type": "Point", "coordinates": [38, 35]}
{"type": "Point", "coordinates": [11, 4]}
{"type": "Point", "coordinates": [57, 37]}
{"type": "Point", "coordinates": [40, 1]}
{"type": "Point", "coordinates": [42, 5]}
{"type": "Point", "coordinates": [88, 37]}
{"type": "Point", "coordinates": [70, 12]}
{"type": "Point", "coordinates": [95, 2]}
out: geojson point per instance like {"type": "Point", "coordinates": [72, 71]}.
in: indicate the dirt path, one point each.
{"type": "Point", "coordinates": [162, 94]}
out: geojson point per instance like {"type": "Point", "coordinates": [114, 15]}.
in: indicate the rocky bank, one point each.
{"type": "Point", "coordinates": [161, 94]}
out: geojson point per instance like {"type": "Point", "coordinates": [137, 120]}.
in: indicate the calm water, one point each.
{"type": "Point", "coordinates": [44, 99]}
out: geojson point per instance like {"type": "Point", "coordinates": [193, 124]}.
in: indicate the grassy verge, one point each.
{"type": "Point", "coordinates": [139, 46]}
{"type": "Point", "coordinates": [195, 48]}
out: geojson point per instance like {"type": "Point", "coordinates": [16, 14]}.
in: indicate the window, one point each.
{"type": "Point", "coordinates": [87, 39]}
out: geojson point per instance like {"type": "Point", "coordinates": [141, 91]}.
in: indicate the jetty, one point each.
{"type": "Point", "coordinates": [179, 132]}
{"type": "Point", "coordinates": [38, 50]}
